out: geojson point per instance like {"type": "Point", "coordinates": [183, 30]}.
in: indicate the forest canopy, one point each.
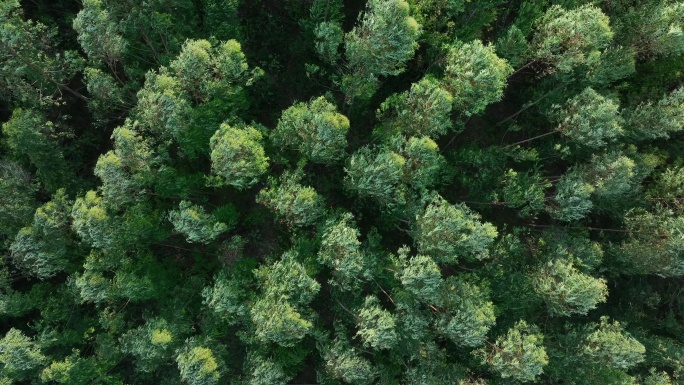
{"type": "Point", "coordinates": [419, 192]}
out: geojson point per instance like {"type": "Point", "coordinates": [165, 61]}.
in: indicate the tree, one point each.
{"type": "Point", "coordinates": [573, 196]}
{"type": "Point", "coordinates": [183, 101]}
{"type": "Point", "coordinates": [424, 110]}
{"type": "Point", "coordinates": [565, 39]}
{"type": "Point", "coordinates": [654, 29]}
{"type": "Point", "coordinates": [380, 45]}
{"type": "Point", "coordinates": [567, 291]}
{"type": "Point", "coordinates": [294, 204]}
{"type": "Point", "coordinates": [648, 121]}
{"type": "Point", "coordinates": [329, 36]}
{"type": "Point", "coordinates": [475, 76]}
{"type": "Point", "coordinates": [654, 245]}
{"type": "Point", "coordinates": [590, 119]}
{"type": "Point", "coordinates": [607, 179]}
{"type": "Point", "coordinates": [288, 280]}
{"type": "Point", "coordinates": [423, 162]}
{"type": "Point", "coordinates": [376, 325]}
{"type": "Point", "coordinates": [519, 354]}
{"type": "Point", "coordinates": [315, 129]}
{"type": "Point", "coordinates": [20, 357]}
{"type": "Point", "coordinates": [43, 248]}
{"type": "Point", "coordinates": [197, 365]}
{"type": "Point", "coordinates": [610, 345]}
{"type": "Point", "coordinates": [265, 371]}
{"type": "Point", "coordinates": [448, 232]}
{"type": "Point", "coordinates": [33, 72]}
{"type": "Point", "coordinates": [237, 156]}
{"type": "Point", "coordinates": [127, 169]}
{"type": "Point", "coordinates": [195, 224]}
{"type": "Point", "coordinates": [613, 176]}
{"type": "Point", "coordinates": [163, 108]}
{"type": "Point", "coordinates": [524, 192]}
{"type": "Point", "coordinates": [151, 344]}
{"type": "Point", "coordinates": [227, 297]}
{"type": "Point", "coordinates": [657, 378]}
{"type": "Point", "coordinates": [513, 46]}
{"type": "Point", "coordinates": [205, 71]}
{"type": "Point", "coordinates": [467, 313]}
{"type": "Point", "coordinates": [343, 363]}
{"type": "Point", "coordinates": [17, 200]}
{"type": "Point", "coordinates": [28, 134]}
{"type": "Point", "coordinates": [99, 36]}
{"type": "Point", "coordinates": [341, 251]}
{"type": "Point", "coordinates": [420, 275]}
{"type": "Point", "coordinates": [277, 321]}
{"type": "Point", "coordinates": [92, 222]}
{"type": "Point", "coordinates": [73, 369]}
{"type": "Point", "coordinates": [376, 175]}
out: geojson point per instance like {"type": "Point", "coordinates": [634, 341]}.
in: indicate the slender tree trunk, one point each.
{"type": "Point", "coordinates": [531, 139]}
{"type": "Point", "coordinates": [522, 68]}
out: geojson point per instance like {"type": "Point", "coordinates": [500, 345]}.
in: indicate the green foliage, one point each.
{"type": "Point", "coordinates": [423, 161]}
{"type": "Point", "coordinates": [524, 192]}
{"type": "Point", "coordinates": [33, 72]}
{"type": "Point", "coordinates": [294, 204]}
{"type": "Point", "coordinates": [610, 345]}
{"type": "Point", "coordinates": [519, 354]}
{"type": "Point", "coordinates": [657, 378]}
{"type": "Point", "coordinates": [19, 356]}
{"type": "Point", "coordinates": [195, 224]}
{"type": "Point", "coordinates": [127, 169]}
{"type": "Point", "coordinates": [151, 344]}
{"type": "Point", "coordinates": [475, 76]}
{"type": "Point", "coordinates": [424, 110]}
{"type": "Point", "coordinates": [43, 249]}
{"type": "Point", "coordinates": [72, 370]}
{"type": "Point", "coordinates": [573, 196]}
{"type": "Point", "coordinates": [288, 280]}
{"type": "Point", "coordinates": [315, 129]}
{"type": "Point", "coordinates": [227, 297]}
{"type": "Point", "coordinates": [197, 365]}
{"type": "Point", "coordinates": [122, 172]}
{"type": "Point", "coordinates": [380, 45]}
{"type": "Point", "coordinates": [613, 176]}
{"type": "Point", "coordinates": [376, 174]}
{"type": "Point", "coordinates": [565, 39]}
{"type": "Point", "coordinates": [343, 363]}
{"type": "Point", "coordinates": [92, 222]}
{"type": "Point", "coordinates": [449, 232]}
{"type": "Point", "coordinates": [655, 29]}
{"type": "Point", "coordinates": [163, 108]}
{"type": "Point", "coordinates": [615, 63]}
{"type": "Point", "coordinates": [99, 36]}
{"type": "Point", "coordinates": [567, 291]}
{"type": "Point", "coordinates": [28, 134]}
{"type": "Point", "coordinates": [204, 71]}
{"type": "Point", "coordinates": [267, 372]}
{"type": "Point", "coordinates": [590, 119]}
{"type": "Point", "coordinates": [341, 251]}
{"type": "Point", "coordinates": [376, 326]}
{"type": "Point", "coordinates": [654, 245]}
{"type": "Point", "coordinates": [329, 37]}
{"type": "Point", "coordinates": [468, 313]}
{"type": "Point", "coordinates": [237, 156]}
{"type": "Point", "coordinates": [277, 321]}
{"type": "Point", "coordinates": [648, 121]}
{"type": "Point", "coordinates": [421, 276]}
{"type": "Point", "coordinates": [17, 201]}
{"type": "Point", "coordinates": [513, 46]}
